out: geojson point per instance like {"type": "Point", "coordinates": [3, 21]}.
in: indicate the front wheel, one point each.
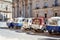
{"type": "Point", "coordinates": [18, 27]}
{"type": "Point", "coordinates": [9, 27]}
{"type": "Point", "coordinates": [50, 32]}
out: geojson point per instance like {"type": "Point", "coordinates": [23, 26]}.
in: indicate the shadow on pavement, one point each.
{"type": "Point", "coordinates": [44, 34]}
{"type": "Point", "coordinates": [47, 39]}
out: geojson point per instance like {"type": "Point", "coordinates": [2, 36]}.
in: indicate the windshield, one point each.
{"type": "Point", "coordinates": [19, 20]}
{"type": "Point", "coordinates": [54, 22]}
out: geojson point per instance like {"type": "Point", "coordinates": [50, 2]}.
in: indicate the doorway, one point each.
{"type": "Point", "coordinates": [45, 18]}
{"type": "Point", "coordinates": [45, 15]}
{"type": "Point", "coordinates": [55, 14]}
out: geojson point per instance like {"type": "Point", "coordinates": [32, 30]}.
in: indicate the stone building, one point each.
{"type": "Point", "coordinates": [30, 8]}
{"type": "Point", "coordinates": [47, 8]}
{"type": "Point", "coordinates": [5, 9]}
{"type": "Point", "coordinates": [22, 8]}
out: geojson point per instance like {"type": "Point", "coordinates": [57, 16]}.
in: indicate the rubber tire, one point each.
{"type": "Point", "coordinates": [50, 32]}
{"type": "Point", "coordinates": [9, 27]}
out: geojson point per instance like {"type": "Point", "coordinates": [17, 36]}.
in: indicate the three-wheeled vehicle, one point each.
{"type": "Point", "coordinates": [37, 24]}
{"type": "Point", "coordinates": [10, 23]}
{"type": "Point", "coordinates": [26, 24]}
{"type": "Point", "coordinates": [16, 23]}
{"type": "Point", "coordinates": [53, 25]}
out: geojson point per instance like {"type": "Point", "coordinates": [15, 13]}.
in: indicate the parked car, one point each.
{"type": "Point", "coordinates": [53, 25]}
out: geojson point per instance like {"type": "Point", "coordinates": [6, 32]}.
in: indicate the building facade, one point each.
{"type": "Point", "coordinates": [22, 8]}
{"type": "Point", "coordinates": [30, 8]}
{"type": "Point", "coordinates": [5, 9]}
{"type": "Point", "coordinates": [47, 8]}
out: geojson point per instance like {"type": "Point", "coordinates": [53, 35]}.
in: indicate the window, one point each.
{"type": "Point", "coordinates": [56, 2]}
{"type": "Point", "coordinates": [8, 0]}
{"type": "Point", "coordinates": [7, 7]}
{"type": "Point", "coordinates": [55, 14]}
{"type": "Point", "coordinates": [45, 4]}
{"type": "Point", "coordinates": [37, 6]}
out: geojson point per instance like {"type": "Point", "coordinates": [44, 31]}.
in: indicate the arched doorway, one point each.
{"type": "Point", "coordinates": [56, 14]}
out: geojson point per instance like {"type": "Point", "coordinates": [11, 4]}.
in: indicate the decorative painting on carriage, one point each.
{"type": "Point", "coordinates": [38, 21]}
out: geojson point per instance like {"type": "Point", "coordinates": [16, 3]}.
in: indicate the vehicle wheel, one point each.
{"type": "Point", "coordinates": [9, 27]}
{"type": "Point", "coordinates": [38, 30]}
{"type": "Point", "coordinates": [59, 31]}
{"type": "Point", "coordinates": [33, 30]}
{"type": "Point", "coordinates": [27, 29]}
{"type": "Point", "coordinates": [16, 27]}
{"type": "Point", "coordinates": [42, 30]}
{"type": "Point", "coordinates": [12, 27]}
{"type": "Point", "coordinates": [19, 27]}
{"type": "Point", "coordinates": [55, 32]}
{"type": "Point", "coordinates": [50, 32]}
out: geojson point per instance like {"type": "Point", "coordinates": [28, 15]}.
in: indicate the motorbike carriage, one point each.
{"type": "Point", "coordinates": [37, 24]}
{"type": "Point", "coordinates": [53, 25]}
{"type": "Point", "coordinates": [26, 24]}
{"type": "Point", "coordinates": [16, 23]}
{"type": "Point", "coordinates": [10, 23]}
